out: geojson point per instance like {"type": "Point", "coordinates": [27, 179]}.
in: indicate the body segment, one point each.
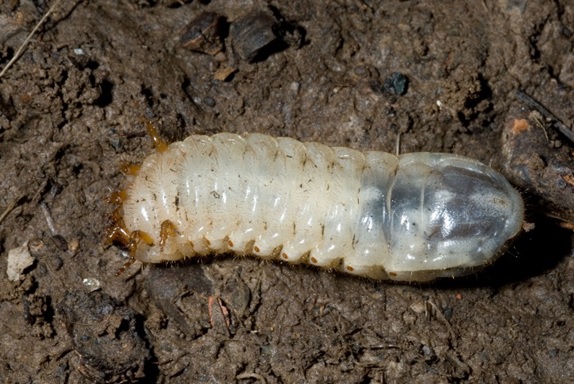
{"type": "Point", "coordinates": [414, 217]}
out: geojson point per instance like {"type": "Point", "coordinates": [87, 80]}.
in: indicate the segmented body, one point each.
{"type": "Point", "coordinates": [413, 217]}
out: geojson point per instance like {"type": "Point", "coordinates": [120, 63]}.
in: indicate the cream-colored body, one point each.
{"type": "Point", "coordinates": [362, 213]}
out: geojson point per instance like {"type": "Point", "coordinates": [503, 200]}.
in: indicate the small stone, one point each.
{"type": "Point", "coordinates": [203, 34]}
{"type": "Point", "coordinates": [253, 34]}
{"type": "Point", "coordinates": [92, 284]}
{"type": "Point", "coordinates": [396, 84]}
{"type": "Point", "coordinates": [18, 260]}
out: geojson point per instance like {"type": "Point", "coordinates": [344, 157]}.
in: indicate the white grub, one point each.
{"type": "Point", "coordinates": [18, 260]}
{"type": "Point", "coordinates": [413, 217]}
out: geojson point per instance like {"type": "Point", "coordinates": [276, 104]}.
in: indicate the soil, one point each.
{"type": "Point", "coordinates": [71, 111]}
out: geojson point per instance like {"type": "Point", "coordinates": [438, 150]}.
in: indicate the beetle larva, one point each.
{"type": "Point", "coordinates": [413, 217]}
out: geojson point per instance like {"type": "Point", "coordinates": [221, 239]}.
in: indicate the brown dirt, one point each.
{"type": "Point", "coordinates": [70, 111]}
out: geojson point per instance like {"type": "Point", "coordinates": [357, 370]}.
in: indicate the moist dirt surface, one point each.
{"type": "Point", "coordinates": [441, 75]}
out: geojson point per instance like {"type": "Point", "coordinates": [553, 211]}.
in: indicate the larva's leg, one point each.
{"type": "Point", "coordinates": [133, 239]}
{"type": "Point", "coordinates": [158, 142]}
{"type": "Point", "coordinates": [130, 169]}
{"type": "Point", "coordinates": [117, 197]}
{"type": "Point", "coordinates": [137, 236]}
{"type": "Point", "coordinates": [166, 230]}
{"type": "Point", "coordinates": [126, 265]}
{"type": "Point", "coordinates": [118, 234]}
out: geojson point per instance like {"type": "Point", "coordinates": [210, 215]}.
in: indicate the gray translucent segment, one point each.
{"type": "Point", "coordinates": [448, 213]}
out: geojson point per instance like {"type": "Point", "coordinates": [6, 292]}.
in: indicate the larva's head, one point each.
{"type": "Point", "coordinates": [118, 233]}
{"type": "Point", "coordinates": [448, 216]}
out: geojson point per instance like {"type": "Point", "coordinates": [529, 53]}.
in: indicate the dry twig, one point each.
{"type": "Point", "coordinates": [25, 43]}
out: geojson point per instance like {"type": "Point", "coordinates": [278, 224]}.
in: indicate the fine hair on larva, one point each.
{"type": "Point", "coordinates": [413, 217]}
